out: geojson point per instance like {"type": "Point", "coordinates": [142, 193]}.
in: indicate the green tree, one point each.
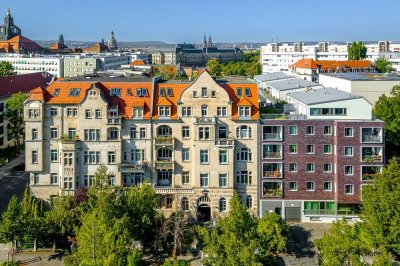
{"type": "Point", "coordinates": [139, 205]}
{"type": "Point", "coordinates": [272, 231]}
{"type": "Point", "coordinates": [383, 65]}
{"type": "Point", "coordinates": [340, 245]}
{"type": "Point", "coordinates": [241, 239]}
{"type": "Point", "coordinates": [388, 110]}
{"type": "Point", "coordinates": [31, 217]}
{"type": "Point", "coordinates": [215, 67]}
{"type": "Point", "coordinates": [6, 69]}
{"type": "Point", "coordinates": [10, 228]}
{"type": "Point", "coordinates": [357, 51]}
{"type": "Point", "coordinates": [14, 114]}
{"type": "Point", "coordinates": [381, 211]}
{"type": "Point", "coordinates": [62, 218]}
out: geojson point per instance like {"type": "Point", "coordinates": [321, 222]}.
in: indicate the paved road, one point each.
{"type": "Point", "coordinates": [12, 183]}
{"type": "Point", "coordinates": [40, 258]}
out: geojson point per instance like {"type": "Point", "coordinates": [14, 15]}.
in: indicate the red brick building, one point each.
{"type": "Point", "coordinates": [313, 168]}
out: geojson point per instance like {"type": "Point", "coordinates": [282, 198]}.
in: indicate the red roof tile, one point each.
{"type": "Point", "coordinates": [330, 64]}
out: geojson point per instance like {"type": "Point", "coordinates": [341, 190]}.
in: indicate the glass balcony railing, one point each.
{"type": "Point", "coordinates": [371, 138]}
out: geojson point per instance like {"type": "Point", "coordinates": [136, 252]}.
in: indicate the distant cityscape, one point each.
{"type": "Point", "coordinates": [290, 129]}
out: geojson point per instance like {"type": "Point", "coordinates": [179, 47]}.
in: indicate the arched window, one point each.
{"type": "Point", "coordinates": [222, 204]}
{"type": "Point", "coordinates": [244, 154]}
{"type": "Point", "coordinates": [243, 132]}
{"type": "Point", "coordinates": [185, 204]}
{"type": "Point", "coordinates": [249, 202]}
{"type": "Point", "coordinates": [204, 110]}
{"type": "Point", "coordinates": [164, 131]}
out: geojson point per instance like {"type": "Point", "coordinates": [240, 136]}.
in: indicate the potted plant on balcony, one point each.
{"type": "Point", "coordinates": [277, 173]}
{"type": "Point", "coordinates": [377, 158]}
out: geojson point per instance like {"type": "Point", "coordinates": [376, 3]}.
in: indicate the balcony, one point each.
{"type": "Point", "coordinates": [371, 135]}
{"type": "Point", "coordinates": [272, 151]}
{"type": "Point", "coordinates": [161, 190]}
{"type": "Point", "coordinates": [164, 141]}
{"type": "Point", "coordinates": [368, 173]}
{"type": "Point", "coordinates": [132, 167]}
{"type": "Point", "coordinates": [206, 120]}
{"type": "Point", "coordinates": [272, 189]}
{"type": "Point", "coordinates": [224, 143]}
{"type": "Point", "coordinates": [114, 120]}
{"type": "Point", "coordinates": [273, 133]}
{"type": "Point", "coordinates": [371, 154]}
{"type": "Point", "coordinates": [273, 155]}
{"type": "Point", "coordinates": [164, 165]}
{"type": "Point", "coordinates": [272, 170]}
{"type": "Point", "coordinates": [164, 182]}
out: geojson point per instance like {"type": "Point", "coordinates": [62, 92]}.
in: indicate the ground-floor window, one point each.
{"type": "Point", "coordinates": [317, 208]}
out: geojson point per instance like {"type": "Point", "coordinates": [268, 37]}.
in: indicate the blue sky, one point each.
{"type": "Point", "coordinates": [174, 21]}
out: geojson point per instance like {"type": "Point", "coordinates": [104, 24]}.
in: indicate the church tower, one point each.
{"type": "Point", "coordinates": [112, 43]}
{"type": "Point", "coordinates": [209, 44]}
{"type": "Point", "coordinates": [204, 42]}
{"type": "Point", "coordinates": [61, 39]}
{"type": "Point", "coordinates": [8, 29]}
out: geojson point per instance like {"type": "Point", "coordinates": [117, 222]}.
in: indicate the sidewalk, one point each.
{"type": "Point", "coordinates": [45, 257]}
{"type": "Point", "coordinates": [6, 169]}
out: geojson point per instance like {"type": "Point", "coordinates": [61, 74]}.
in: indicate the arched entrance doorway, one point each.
{"type": "Point", "coordinates": [203, 213]}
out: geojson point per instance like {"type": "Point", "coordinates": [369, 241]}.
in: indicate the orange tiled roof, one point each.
{"type": "Point", "coordinates": [138, 62]}
{"type": "Point", "coordinates": [330, 64]}
{"type": "Point", "coordinates": [125, 102]}
{"type": "Point", "coordinates": [252, 99]}
{"type": "Point", "coordinates": [37, 94]}
{"type": "Point", "coordinates": [177, 89]}
{"type": "Point", "coordinates": [230, 88]}
{"type": "Point", "coordinates": [16, 43]}
{"type": "Point", "coordinates": [244, 102]}
{"type": "Point", "coordinates": [164, 102]}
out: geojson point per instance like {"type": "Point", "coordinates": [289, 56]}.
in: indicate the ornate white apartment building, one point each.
{"type": "Point", "coordinates": [195, 141]}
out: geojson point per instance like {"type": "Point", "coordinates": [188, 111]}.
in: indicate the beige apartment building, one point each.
{"type": "Point", "coordinates": [196, 142]}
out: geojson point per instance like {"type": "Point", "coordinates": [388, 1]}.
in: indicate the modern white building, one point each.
{"type": "Point", "coordinates": [279, 89]}
{"type": "Point", "coordinates": [329, 103]}
{"type": "Point", "coordinates": [32, 63]}
{"type": "Point", "coordinates": [277, 57]}
{"type": "Point", "coordinates": [140, 55]}
{"type": "Point", "coordinates": [368, 85]}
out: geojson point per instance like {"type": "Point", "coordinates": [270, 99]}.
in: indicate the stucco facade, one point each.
{"type": "Point", "coordinates": [196, 142]}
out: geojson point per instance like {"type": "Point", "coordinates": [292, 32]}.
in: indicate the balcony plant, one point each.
{"type": "Point", "coordinates": [277, 173]}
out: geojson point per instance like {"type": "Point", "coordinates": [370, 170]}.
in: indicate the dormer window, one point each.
{"type": "Point", "coordinates": [137, 112]}
{"type": "Point", "coordinates": [56, 91]}
{"type": "Point", "coordinates": [144, 92]}
{"type": "Point", "coordinates": [162, 92]}
{"type": "Point", "coordinates": [113, 112]}
{"type": "Point", "coordinates": [244, 111]}
{"type": "Point", "coordinates": [128, 92]}
{"type": "Point", "coordinates": [74, 91]}
{"type": "Point", "coordinates": [204, 92]}
{"type": "Point", "coordinates": [139, 92]}
{"type": "Point", "coordinates": [115, 92]}
{"type": "Point", "coordinates": [164, 111]}
{"type": "Point", "coordinates": [169, 92]}
{"type": "Point", "coordinates": [239, 92]}
{"type": "Point", "coordinates": [247, 92]}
